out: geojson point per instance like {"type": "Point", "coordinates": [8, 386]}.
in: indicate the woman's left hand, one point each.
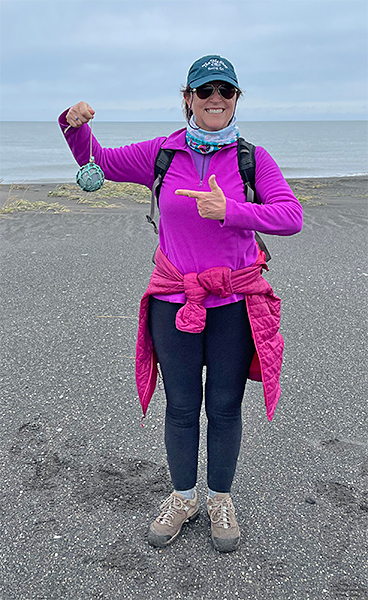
{"type": "Point", "coordinates": [211, 205]}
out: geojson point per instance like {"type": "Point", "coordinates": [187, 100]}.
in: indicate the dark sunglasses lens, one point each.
{"type": "Point", "coordinates": [204, 91]}
{"type": "Point", "coordinates": [227, 91]}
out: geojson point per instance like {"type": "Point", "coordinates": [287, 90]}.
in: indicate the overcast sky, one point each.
{"type": "Point", "coordinates": [295, 59]}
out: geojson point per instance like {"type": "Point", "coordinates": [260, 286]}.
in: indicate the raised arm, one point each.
{"type": "Point", "coordinates": [133, 163]}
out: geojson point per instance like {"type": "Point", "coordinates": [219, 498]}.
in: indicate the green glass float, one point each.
{"type": "Point", "coordinates": [90, 177]}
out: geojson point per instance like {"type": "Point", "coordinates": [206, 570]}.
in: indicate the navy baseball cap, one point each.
{"type": "Point", "coordinates": [211, 68]}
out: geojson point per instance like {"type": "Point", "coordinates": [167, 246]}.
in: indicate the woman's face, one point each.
{"type": "Point", "coordinates": [213, 113]}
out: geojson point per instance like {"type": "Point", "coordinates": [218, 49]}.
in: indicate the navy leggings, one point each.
{"type": "Point", "coordinates": [226, 348]}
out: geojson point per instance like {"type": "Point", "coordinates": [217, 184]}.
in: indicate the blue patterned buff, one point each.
{"type": "Point", "coordinates": [210, 141]}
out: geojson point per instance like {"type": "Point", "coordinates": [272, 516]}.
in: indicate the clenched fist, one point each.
{"type": "Point", "coordinates": [79, 114]}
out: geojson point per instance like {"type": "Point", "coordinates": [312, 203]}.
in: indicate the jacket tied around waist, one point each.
{"type": "Point", "coordinates": [264, 311]}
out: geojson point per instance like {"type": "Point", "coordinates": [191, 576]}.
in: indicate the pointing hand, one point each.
{"type": "Point", "coordinates": [211, 205]}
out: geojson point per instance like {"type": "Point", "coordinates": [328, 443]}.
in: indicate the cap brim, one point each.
{"type": "Point", "coordinates": [198, 82]}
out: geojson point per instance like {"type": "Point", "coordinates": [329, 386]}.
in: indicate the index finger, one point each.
{"type": "Point", "coordinates": [190, 193]}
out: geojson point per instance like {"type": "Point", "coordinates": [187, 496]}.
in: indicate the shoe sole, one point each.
{"type": "Point", "coordinates": [158, 541]}
{"type": "Point", "coordinates": [225, 545]}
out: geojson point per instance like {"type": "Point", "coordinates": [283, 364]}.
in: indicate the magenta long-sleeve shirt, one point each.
{"type": "Point", "coordinates": [191, 243]}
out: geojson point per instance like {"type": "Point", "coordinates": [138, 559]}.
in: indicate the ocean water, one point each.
{"type": "Point", "coordinates": [36, 152]}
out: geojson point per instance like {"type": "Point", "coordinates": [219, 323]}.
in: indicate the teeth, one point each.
{"type": "Point", "coordinates": [215, 110]}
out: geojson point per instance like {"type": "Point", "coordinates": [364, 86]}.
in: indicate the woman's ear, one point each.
{"type": "Point", "coordinates": [187, 98]}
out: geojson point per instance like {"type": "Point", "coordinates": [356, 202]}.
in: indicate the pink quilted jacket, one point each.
{"type": "Point", "coordinates": [263, 309]}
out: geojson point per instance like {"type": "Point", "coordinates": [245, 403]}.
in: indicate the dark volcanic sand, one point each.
{"type": "Point", "coordinates": [326, 190]}
{"type": "Point", "coordinates": [81, 480]}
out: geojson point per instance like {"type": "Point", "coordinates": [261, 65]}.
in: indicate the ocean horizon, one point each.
{"type": "Point", "coordinates": [35, 151]}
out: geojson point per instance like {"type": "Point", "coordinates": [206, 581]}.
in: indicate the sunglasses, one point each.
{"type": "Point", "coordinates": [226, 90]}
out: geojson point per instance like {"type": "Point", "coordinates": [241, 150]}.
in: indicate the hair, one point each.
{"type": "Point", "coordinates": [187, 110]}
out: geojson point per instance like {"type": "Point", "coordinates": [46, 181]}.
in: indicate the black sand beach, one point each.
{"type": "Point", "coordinates": [81, 479]}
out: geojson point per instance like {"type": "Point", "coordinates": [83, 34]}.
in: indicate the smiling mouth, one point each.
{"type": "Point", "coordinates": [215, 111]}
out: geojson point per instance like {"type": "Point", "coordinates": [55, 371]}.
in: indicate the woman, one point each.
{"type": "Point", "coordinates": [193, 313]}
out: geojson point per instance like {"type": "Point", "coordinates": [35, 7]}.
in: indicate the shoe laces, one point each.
{"type": "Point", "coordinates": [221, 512]}
{"type": "Point", "coordinates": [170, 508]}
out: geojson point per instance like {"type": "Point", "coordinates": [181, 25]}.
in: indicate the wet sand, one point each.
{"type": "Point", "coordinates": [81, 480]}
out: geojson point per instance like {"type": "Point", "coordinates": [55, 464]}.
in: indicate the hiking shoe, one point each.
{"type": "Point", "coordinates": [224, 528]}
{"type": "Point", "coordinates": [175, 511]}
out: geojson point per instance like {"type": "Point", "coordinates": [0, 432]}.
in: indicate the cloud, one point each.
{"type": "Point", "coordinates": [135, 54]}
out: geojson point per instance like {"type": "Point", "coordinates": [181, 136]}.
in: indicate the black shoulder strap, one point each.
{"type": "Point", "coordinates": [162, 163]}
{"type": "Point", "coordinates": [247, 170]}
{"type": "Point", "coordinates": [247, 163]}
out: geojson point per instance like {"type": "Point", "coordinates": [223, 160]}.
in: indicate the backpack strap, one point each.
{"type": "Point", "coordinates": [162, 163]}
{"type": "Point", "coordinates": [247, 170]}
